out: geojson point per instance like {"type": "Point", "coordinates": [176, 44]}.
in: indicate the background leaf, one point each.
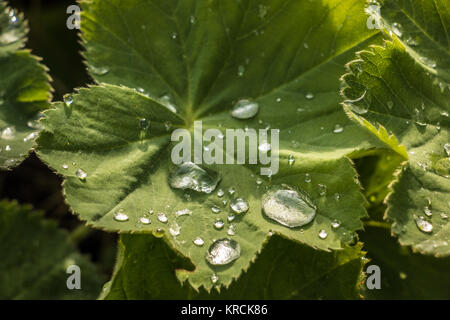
{"type": "Point", "coordinates": [35, 256]}
{"type": "Point", "coordinates": [24, 90]}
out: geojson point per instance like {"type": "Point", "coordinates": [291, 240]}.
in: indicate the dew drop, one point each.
{"type": "Point", "coordinates": [120, 216]}
{"type": "Point", "coordinates": [82, 175]}
{"type": "Point", "coordinates": [192, 19]}
{"type": "Point", "coordinates": [424, 225]}
{"type": "Point", "coordinates": [218, 225]}
{"type": "Point", "coordinates": [231, 230]}
{"type": "Point", "coordinates": [199, 242]}
{"type": "Point", "coordinates": [307, 178]}
{"type": "Point", "coordinates": [190, 176]}
{"type": "Point", "coordinates": [322, 189]}
{"type": "Point", "coordinates": [68, 100]}
{"type": "Point", "coordinates": [184, 212]}
{"type": "Point", "coordinates": [145, 220]}
{"type": "Point", "coordinates": [214, 278]}
{"type": "Point", "coordinates": [30, 137]}
{"type": "Point", "coordinates": [215, 209]}
{"type": "Point", "coordinates": [241, 71]}
{"type": "Point", "coordinates": [8, 148]}
{"type": "Point", "coordinates": [144, 124]}
{"type": "Point", "coordinates": [245, 109]}
{"type": "Point", "coordinates": [231, 191]}
{"type": "Point", "coordinates": [309, 96]}
{"type": "Point", "coordinates": [338, 128]}
{"type": "Point", "coordinates": [397, 29]}
{"type": "Point", "coordinates": [34, 122]}
{"type": "Point", "coordinates": [175, 229]}
{"type": "Point", "coordinates": [335, 224]}
{"type": "Point", "coordinates": [65, 166]}
{"type": "Point", "coordinates": [220, 193]}
{"type": "Point", "coordinates": [323, 234]}
{"type": "Point", "coordinates": [239, 206]}
{"type": "Point", "coordinates": [222, 252]}
{"type": "Point", "coordinates": [288, 207]}
{"type": "Point", "coordinates": [337, 196]}
{"type": "Point", "coordinates": [231, 218]}
{"type": "Point", "coordinates": [162, 217]}
{"type": "Point", "coordinates": [100, 71]}
{"type": "Point", "coordinates": [9, 133]}
{"type": "Point", "coordinates": [291, 160]}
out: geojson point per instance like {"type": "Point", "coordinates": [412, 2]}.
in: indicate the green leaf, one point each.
{"type": "Point", "coordinates": [35, 256]}
{"type": "Point", "coordinates": [283, 270]}
{"type": "Point", "coordinates": [400, 100]}
{"type": "Point", "coordinates": [199, 58]}
{"type": "Point", "coordinates": [404, 274]}
{"type": "Point", "coordinates": [24, 90]}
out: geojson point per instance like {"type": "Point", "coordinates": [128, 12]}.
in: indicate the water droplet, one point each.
{"type": "Point", "coordinates": [215, 209]}
{"type": "Point", "coordinates": [231, 191]}
{"type": "Point", "coordinates": [8, 148]}
{"type": "Point", "coordinates": [309, 95]}
{"type": "Point", "coordinates": [397, 29]}
{"type": "Point", "coordinates": [444, 216]}
{"type": "Point", "coordinates": [65, 166]}
{"type": "Point", "coordinates": [34, 122]}
{"type": "Point", "coordinates": [219, 224]}
{"type": "Point", "coordinates": [278, 100]}
{"type": "Point", "coordinates": [231, 230]}
{"type": "Point", "coordinates": [335, 224]}
{"type": "Point", "coordinates": [288, 207]}
{"type": "Point", "coordinates": [166, 100]}
{"type": "Point", "coordinates": [68, 100]}
{"type": "Point", "coordinates": [199, 242]}
{"type": "Point", "coordinates": [259, 181]}
{"type": "Point", "coordinates": [9, 133]}
{"type": "Point", "coordinates": [262, 11]}
{"type": "Point", "coordinates": [81, 174]}
{"type": "Point", "coordinates": [100, 71]}
{"type": "Point", "coordinates": [190, 176]}
{"type": "Point", "coordinates": [291, 160]}
{"type": "Point", "coordinates": [175, 229]}
{"type": "Point", "coordinates": [424, 225]}
{"type": "Point", "coordinates": [192, 19]}
{"type": "Point", "coordinates": [307, 178]}
{"type": "Point", "coordinates": [245, 109]}
{"type": "Point", "coordinates": [222, 252]}
{"type": "Point", "coordinates": [31, 136]}
{"type": "Point", "coordinates": [447, 149]}
{"type": "Point", "coordinates": [338, 128]}
{"type": "Point", "coordinates": [322, 189]}
{"type": "Point", "coordinates": [145, 220]}
{"type": "Point", "coordinates": [184, 212]}
{"type": "Point", "coordinates": [220, 193]}
{"type": "Point", "coordinates": [158, 233]}
{"type": "Point", "coordinates": [231, 217]}
{"type": "Point", "coordinates": [427, 211]}
{"type": "Point", "coordinates": [337, 196]}
{"type": "Point", "coordinates": [162, 217]}
{"type": "Point", "coordinates": [241, 71]}
{"type": "Point", "coordinates": [120, 216]}
{"type": "Point", "coordinates": [174, 35]}
{"type": "Point", "coordinates": [144, 124]}
{"type": "Point", "coordinates": [323, 234]}
{"type": "Point", "coordinates": [214, 278]}
{"type": "Point", "coordinates": [239, 206]}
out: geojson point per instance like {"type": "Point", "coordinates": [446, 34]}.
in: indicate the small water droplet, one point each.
{"type": "Point", "coordinates": [190, 176]}
{"type": "Point", "coordinates": [175, 229]}
{"type": "Point", "coordinates": [65, 166]}
{"type": "Point", "coordinates": [199, 242]}
{"type": "Point", "coordinates": [397, 29]}
{"type": "Point", "coordinates": [220, 193]}
{"type": "Point", "coordinates": [82, 175]}
{"type": "Point", "coordinates": [162, 217]}
{"type": "Point", "coordinates": [309, 95]}
{"type": "Point", "coordinates": [307, 178]}
{"type": "Point", "coordinates": [8, 148]}
{"type": "Point", "coordinates": [241, 71]}
{"type": "Point", "coordinates": [338, 128]}
{"type": "Point", "coordinates": [192, 19]}
{"type": "Point", "coordinates": [291, 160]}
{"type": "Point", "coordinates": [218, 224]}
{"type": "Point", "coordinates": [231, 230]}
{"type": "Point", "coordinates": [100, 71]}
{"type": "Point", "coordinates": [245, 109]}
{"type": "Point", "coordinates": [184, 212]}
{"type": "Point", "coordinates": [223, 252]}
{"type": "Point", "coordinates": [444, 216]}
{"type": "Point", "coordinates": [31, 136]}
{"type": "Point", "coordinates": [335, 224]}
{"type": "Point", "coordinates": [427, 211]}
{"type": "Point", "coordinates": [214, 278]}
{"type": "Point", "coordinates": [68, 100]}
{"type": "Point", "coordinates": [120, 216]}
{"type": "Point", "coordinates": [145, 220]}
{"type": "Point", "coordinates": [323, 234]}
{"type": "Point", "coordinates": [9, 133]}
{"type": "Point", "coordinates": [231, 217]}
{"type": "Point", "coordinates": [34, 122]}
{"type": "Point", "coordinates": [337, 196]}
{"type": "Point", "coordinates": [144, 124]}
{"type": "Point", "coordinates": [322, 189]}
{"type": "Point", "coordinates": [215, 209]}
{"type": "Point", "coordinates": [174, 35]}
{"type": "Point", "coordinates": [447, 149]}
{"type": "Point", "coordinates": [424, 225]}
{"type": "Point", "coordinates": [239, 206]}
{"type": "Point", "coordinates": [231, 191]}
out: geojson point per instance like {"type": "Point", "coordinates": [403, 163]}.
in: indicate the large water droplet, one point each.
{"type": "Point", "coordinates": [424, 225]}
{"type": "Point", "coordinates": [239, 206]}
{"type": "Point", "coordinates": [288, 207]}
{"type": "Point", "coordinates": [190, 176]}
{"type": "Point", "coordinates": [199, 242]}
{"type": "Point", "coordinates": [245, 109]}
{"type": "Point", "coordinates": [222, 252]}
{"type": "Point", "coordinates": [8, 133]}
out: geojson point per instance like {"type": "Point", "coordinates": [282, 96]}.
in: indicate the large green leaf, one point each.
{"type": "Point", "coordinates": [24, 90]}
{"type": "Point", "coordinates": [406, 103]}
{"type": "Point", "coordinates": [35, 256]}
{"type": "Point", "coordinates": [199, 57]}
{"type": "Point", "coordinates": [284, 270]}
